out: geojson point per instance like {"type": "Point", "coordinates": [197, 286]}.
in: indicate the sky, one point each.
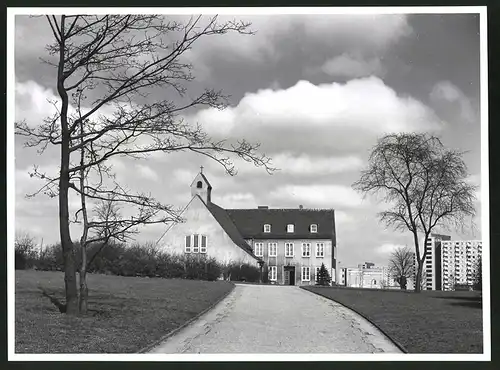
{"type": "Point", "coordinates": [316, 91]}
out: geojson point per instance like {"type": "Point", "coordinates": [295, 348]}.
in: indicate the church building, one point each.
{"type": "Point", "coordinates": [292, 243]}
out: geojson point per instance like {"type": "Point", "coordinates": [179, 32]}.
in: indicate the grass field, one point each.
{"type": "Point", "coordinates": [126, 313]}
{"type": "Point", "coordinates": [428, 322]}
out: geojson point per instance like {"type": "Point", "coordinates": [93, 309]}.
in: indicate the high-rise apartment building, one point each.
{"type": "Point", "coordinates": [449, 262]}
{"type": "Point", "coordinates": [459, 260]}
{"type": "Point", "coordinates": [431, 271]}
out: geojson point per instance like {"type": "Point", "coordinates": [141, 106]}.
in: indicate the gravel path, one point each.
{"type": "Point", "coordinates": [284, 319]}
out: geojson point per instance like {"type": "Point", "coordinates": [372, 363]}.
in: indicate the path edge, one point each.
{"type": "Point", "coordinates": [191, 320]}
{"type": "Point", "coordinates": [396, 343]}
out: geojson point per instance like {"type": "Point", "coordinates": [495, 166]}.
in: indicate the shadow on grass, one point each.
{"type": "Point", "coordinates": [471, 302]}
{"type": "Point", "coordinates": [472, 299]}
{"type": "Point", "coordinates": [478, 305]}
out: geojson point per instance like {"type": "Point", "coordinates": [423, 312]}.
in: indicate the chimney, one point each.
{"type": "Point", "coordinates": [262, 207]}
{"type": "Point", "coordinates": [301, 206]}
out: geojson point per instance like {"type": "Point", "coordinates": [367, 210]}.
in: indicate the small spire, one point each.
{"type": "Point", "coordinates": [201, 169]}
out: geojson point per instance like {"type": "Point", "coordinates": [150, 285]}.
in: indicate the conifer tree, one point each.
{"type": "Point", "coordinates": [323, 276]}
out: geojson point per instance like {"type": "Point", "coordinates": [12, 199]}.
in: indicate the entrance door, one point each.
{"type": "Point", "coordinates": [289, 278]}
{"type": "Point", "coordinates": [292, 277]}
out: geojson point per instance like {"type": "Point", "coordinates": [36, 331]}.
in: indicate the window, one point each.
{"type": "Point", "coordinates": [306, 273]}
{"type": "Point", "coordinates": [273, 249]}
{"type": "Point", "coordinates": [196, 244]}
{"type": "Point", "coordinates": [203, 248]}
{"type": "Point", "coordinates": [306, 249]}
{"type": "Point", "coordinates": [273, 273]}
{"type": "Point", "coordinates": [316, 274]}
{"type": "Point", "coordinates": [313, 228]}
{"type": "Point", "coordinates": [289, 252]}
{"type": "Point", "coordinates": [267, 228]}
{"type": "Point", "coordinates": [196, 240]}
{"type": "Point", "coordinates": [320, 249]}
{"type": "Point", "coordinates": [199, 184]}
{"type": "Point", "coordinates": [259, 249]}
{"type": "Point", "coordinates": [289, 228]}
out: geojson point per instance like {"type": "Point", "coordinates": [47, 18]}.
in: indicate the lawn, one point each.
{"type": "Point", "coordinates": [428, 322]}
{"type": "Point", "coordinates": [126, 313]}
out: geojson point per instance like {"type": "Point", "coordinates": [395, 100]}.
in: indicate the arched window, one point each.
{"type": "Point", "coordinates": [199, 184]}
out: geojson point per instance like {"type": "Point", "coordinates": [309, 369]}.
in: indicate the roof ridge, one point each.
{"type": "Point", "coordinates": [281, 209]}
{"type": "Point", "coordinates": [235, 234]}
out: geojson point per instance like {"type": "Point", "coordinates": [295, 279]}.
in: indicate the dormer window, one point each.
{"type": "Point", "coordinates": [199, 184]}
{"type": "Point", "coordinates": [289, 228]}
{"type": "Point", "coordinates": [267, 228]}
{"type": "Point", "coordinates": [313, 228]}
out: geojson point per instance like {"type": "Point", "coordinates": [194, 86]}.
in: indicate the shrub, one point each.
{"type": "Point", "coordinates": [104, 257]}
{"type": "Point", "coordinates": [201, 267]}
{"type": "Point", "coordinates": [136, 260]}
{"type": "Point", "coordinates": [169, 266]}
{"type": "Point", "coordinates": [236, 271]}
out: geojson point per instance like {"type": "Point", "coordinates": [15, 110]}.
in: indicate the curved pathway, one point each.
{"type": "Point", "coordinates": [277, 319]}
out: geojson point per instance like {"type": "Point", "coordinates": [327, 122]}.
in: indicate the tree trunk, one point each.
{"type": "Point", "coordinates": [84, 291]}
{"type": "Point", "coordinates": [66, 243]}
{"type": "Point", "coordinates": [420, 263]}
{"type": "Point", "coordinates": [418, 279]}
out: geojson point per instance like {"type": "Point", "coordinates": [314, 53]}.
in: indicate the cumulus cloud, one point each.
{"type": "Point", "coordinates": [308, 113]}
{"type": "Point", "coordinates": [388, 248]}
{"type": "Point", "coordinates": [305, 165]}
{"type": "Point", "coordinates": [447, 92]}
{"type": "Point", "coordinates": [348, 66]}
{"type": "Point", "coordinates": [342, 218]}
{"type": "Point", "coordinates": [146, 172]}
{"type": "Point", "coordinates": [347, 31]}
{"type": "Point", "coordinates": [317, 196]}
{"type": "Point", "coordinates": [32, 103]}
{"type": "Point", "coordinates": [371, 31]}
{"type": "Point", "coordinates": [237, 200]}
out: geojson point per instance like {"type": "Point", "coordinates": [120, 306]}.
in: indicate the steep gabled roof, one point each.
{"type": "Point", "coordinates": [250, 223]}
{"type": "Point", "coordinates": [229, 227]}
{"type": "Point", "coordinates": [204, 179]}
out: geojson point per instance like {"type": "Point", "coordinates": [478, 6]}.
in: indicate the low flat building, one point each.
{"type": "Point", "coordinates": [366, 275]}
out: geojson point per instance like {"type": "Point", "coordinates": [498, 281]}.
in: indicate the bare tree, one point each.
{"type": "Point", "coordinates": [401, 265]}
{"type": "Point", "coordinates": [452, 281]}
{"type": "Point", "coordinates": [107, 68]}
{"type": "Point", "coordinates": [25, 250]}
{"type": "Point", "coordinates": [424, 183]}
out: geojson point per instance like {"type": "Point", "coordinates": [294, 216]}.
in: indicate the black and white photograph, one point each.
{"type": "Point", "coordinates": [248, 184]}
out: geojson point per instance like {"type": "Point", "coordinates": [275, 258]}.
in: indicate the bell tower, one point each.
{"type": "Point", "coordinates": [200, 186]}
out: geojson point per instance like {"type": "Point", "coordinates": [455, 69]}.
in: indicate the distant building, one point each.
{"type": "Point", "coordinates": [366, 275]}
{"type": "Point", "coordinates": [342, 275]}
